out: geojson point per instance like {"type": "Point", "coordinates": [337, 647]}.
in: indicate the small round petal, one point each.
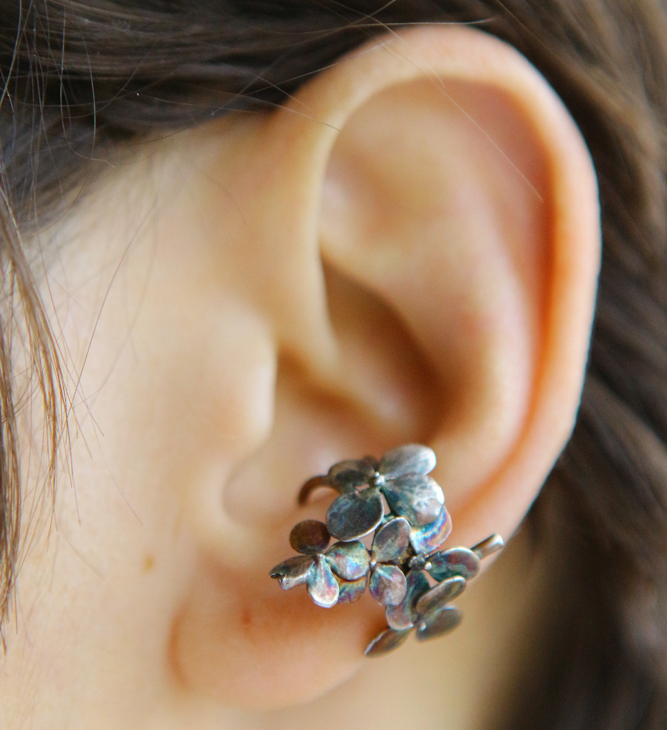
{"type": "Point", "coordinates": [322, 585]}
{"type": "Point", "coordinates": [349, 560]}
{"type": "Point", "coordinates": [293, 572]}
{"type": "Point", "coordinates": [457, 561]}
{"type": "Point", "coordinates": [372, 461]}
{"type": "Point", "coordinates": [428, 538]}
{"type": "Point", "coordinates": [354, 515]}
{"type": "Point", "coordinates": [404, 615]}
{"type": "Point", "coordinates": [391, 541]}
{"type": "Point", "coordinates": [416, 497]}
{"type": "Point", "coordinates": [408, 459]}
{"type": "Point", "coordinates": [387, 584]}
{"type": "Point", "coordinates": [438, 623]}
{"type": "Point", "coordinates": [351, 590]}
{"type": "Point", "coordinates": [440, 595]}
{"type": "Point", "coordinates": [385, 642]}
{"type": "Point", "coordinates": [351, 473]}
{"type": "Point", "coordinates": [309, 537]}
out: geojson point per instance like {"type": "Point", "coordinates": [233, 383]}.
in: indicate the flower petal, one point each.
{"type": "Point", "coordinates": [355, 514]}
{"type": "Point", "coordinates": [408, 459]}
{"type": "Point", "coordinates": [351, 590]}
{"type": "Point", "coordinates": [351, 473]}
{"type": "Point", "coordinates": [391, 541]}
{"type": "Point", "coordinates": [387, 584]}
{"type": "Point", "coordinates": [385, 642]}
{"type": "Point", "coordinates": [428, 538]}
{"type": "Point", "coordinates": [322, 585]}
{"type": "Point", "coordinates": [403, 616]}
{"type": "Point", "coordinates": [438, 623]}
{"type": "Point", "coordinates": [349, 560]}
{"type": "Point", "coordinates": [309, 537]}
{"type": "Point", "coordinates": [416, 497]}
{"type": "Point", "coordinates": [293, 572]}
{"type": "Point", "coordinates": [457, 561]}
{"type": "Point", "coordinates": [440, 595]}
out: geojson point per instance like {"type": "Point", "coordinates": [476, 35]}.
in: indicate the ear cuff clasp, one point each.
{"type": "Point", "coordinates": [404, 569]}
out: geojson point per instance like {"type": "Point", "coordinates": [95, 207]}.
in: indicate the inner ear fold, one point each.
{"type": "Point", "coordinates": [396, 390]}
{"type": "Point", "coordinates": [437, 199]}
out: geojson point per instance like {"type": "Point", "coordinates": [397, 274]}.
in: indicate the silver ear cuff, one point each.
{"type": "Point", "coordinates": [404, 568]}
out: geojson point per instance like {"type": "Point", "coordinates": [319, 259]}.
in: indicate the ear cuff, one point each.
{"type": "Point", "coordinates": [404, 568]}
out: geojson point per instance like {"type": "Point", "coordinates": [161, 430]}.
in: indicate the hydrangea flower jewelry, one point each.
{"type": "Point", "coordinates": [404, 568]}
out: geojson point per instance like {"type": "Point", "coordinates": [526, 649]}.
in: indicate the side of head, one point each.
{"type": "Point", "coordinates": [406, 250]}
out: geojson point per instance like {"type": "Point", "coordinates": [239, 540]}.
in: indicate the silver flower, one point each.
{"type": "Point", "coordinates": [399, 476]}
{"type": "Point", "coordinates": [318, 567]}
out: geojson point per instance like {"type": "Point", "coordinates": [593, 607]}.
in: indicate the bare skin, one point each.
{"type": "Point", "coordinates": [407, 252]}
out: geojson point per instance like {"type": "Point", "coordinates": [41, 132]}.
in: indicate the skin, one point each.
{"type": "Point", "coordinates": [407, 252]}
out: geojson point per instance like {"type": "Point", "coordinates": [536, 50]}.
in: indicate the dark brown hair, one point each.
{"type": "Point", "coordinates": [82, 79]}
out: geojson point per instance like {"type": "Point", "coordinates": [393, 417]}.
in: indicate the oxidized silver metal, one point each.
{"type": "Point", "coordinates": [404, 569]}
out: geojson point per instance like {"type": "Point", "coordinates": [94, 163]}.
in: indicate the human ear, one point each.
{"type": "Point", "coordinates": [420, 240]}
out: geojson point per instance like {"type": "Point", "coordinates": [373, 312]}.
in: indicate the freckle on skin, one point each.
{"type": "Point", "coordinates": [246, 618]}
{"type": "Point", "coordinates": [149, 563]}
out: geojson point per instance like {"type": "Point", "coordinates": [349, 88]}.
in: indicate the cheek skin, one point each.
{"type": "Point", "coordinates": [133, 597]}
{"type": "Point", "coordinates": [155, 417]}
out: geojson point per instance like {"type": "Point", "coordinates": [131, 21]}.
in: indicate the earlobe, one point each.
{"type": "Point", "coordinates": [437, 188]}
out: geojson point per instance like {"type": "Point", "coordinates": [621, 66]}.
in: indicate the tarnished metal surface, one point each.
{"type": "Point", "coordinates": [407, 459]}
{"type": "Point", "coordinates": [311, 485]}
{"type": "Point", "coordinates": [351, 473]}
{"type": "Point", "coordinates": [457, 561]}
{"type": "Point", "coordinates": [404, 569]}
{"type": "Point", "coordinates": [293, 571]}
{"type": "Point", "coordinates": [309, 537]}
{"type": "Point", "coordinates": [322, 585]}
{"type": "Point", "coordinates": [351, 590]}
{"type": "Point", "coordinates": [349, 560]}
{"type": "Point", "coordinates": [428, 538]}
{"type": "Point", "coordinates": [355, 514]}
{"type": "Point", "coordinates": [391, 541]}
{"type": "Point", "coordinates": [438, 623]}
{"type": "Point", "coordinates": [387, 584]}
{"type": "Point", "coordinates": [487, 547]}
{"type": "Point", "coordinates": [404, 615]}
{"type": "Point", "coordinates": [385, 642]}
{"type": "Point", "coordinates": [416, 497]}
{"type": "Point", "coordinates": [439, 595]}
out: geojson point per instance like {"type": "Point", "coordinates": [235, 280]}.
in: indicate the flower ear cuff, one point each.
{"type": "Point", "coordinates": [404, 569]}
